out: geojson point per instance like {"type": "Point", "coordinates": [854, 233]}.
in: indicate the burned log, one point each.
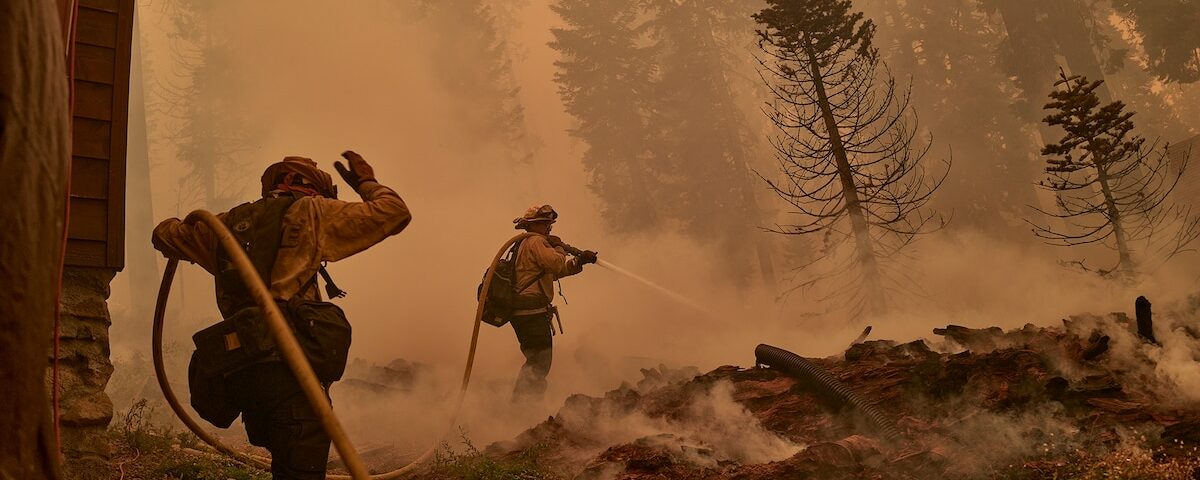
{"type": "Point", "coordinates": [973, 339]}
{"type": "Point", "coordinates": [1097, 348]}
{"type": "Point", "coordinates": [1145, 320]}
{"type": "Point", "coordinates": [862, 336]}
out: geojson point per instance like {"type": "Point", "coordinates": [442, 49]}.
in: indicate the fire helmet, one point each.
{"type": "Point", "coordinates": [544, 213]}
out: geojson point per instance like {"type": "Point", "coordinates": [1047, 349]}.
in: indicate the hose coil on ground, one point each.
{"type": "Point", "coordinates": [804, 369]}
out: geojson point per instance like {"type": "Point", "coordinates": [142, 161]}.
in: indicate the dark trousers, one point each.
{"type": "Point", "coordinates": [279, 418]}
{"type": "Point", "coordinates": [536, 336]}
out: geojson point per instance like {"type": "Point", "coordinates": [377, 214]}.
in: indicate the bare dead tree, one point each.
{"type": "Point", "coordinates": [847, 144]}
{"type": "Point", "coordinates": [1110, 186]}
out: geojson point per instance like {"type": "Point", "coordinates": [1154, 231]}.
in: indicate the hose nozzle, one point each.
{"type": "Point", "coordinates": [558, 242]}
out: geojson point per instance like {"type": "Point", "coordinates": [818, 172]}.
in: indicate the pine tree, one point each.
{"type": "Point", "coordinates": [1170, 36]}
{"type": "Point", "coordinates": [1139, 88]}
{"type": "Point", "coordinates": [212, 129]}
{"type": "Point", "coordinates": [473, 62]}
{"type": "Point", "coordinates": [700, 134]}
{"type": "Point", "coordinates": [948, 49]}
{"type": "Point", "coordinates": [845, 141]}
{"type": "Point", "coordinates": [604, 78]}
{"type": "Point", "coordinates": [140, 259]}
{"type": "Point", "coordinates": [1111, 187]}
{"type": "Point", "coordinates": [1042, 34]}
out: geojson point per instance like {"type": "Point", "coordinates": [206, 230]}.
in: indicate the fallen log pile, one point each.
{"type": "Point", "coordinates": [1081, 400]}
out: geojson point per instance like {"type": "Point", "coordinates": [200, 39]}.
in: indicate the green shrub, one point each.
{"type": "Point", "coordinates": [471, 464]}
{"type": "Point", "coordinates": [142, 435]}
{"type": "Point", "coordinates": [188, 440]}
{"type": "Point", "coordinates": [206, 469]}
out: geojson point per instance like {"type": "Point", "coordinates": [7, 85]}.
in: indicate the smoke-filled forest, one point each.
{"type": "Point", "coordinates": [944, 211]}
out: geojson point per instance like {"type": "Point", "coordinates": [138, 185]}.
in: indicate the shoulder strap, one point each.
{"type": "Point", "coordinates": [515, 249]}
{"type": "Point", "coordinates": [535, 280]}
{"type": "Point", "coordinates": [258, 228]}
{"type": "Point", "coordinates": [331, 289]}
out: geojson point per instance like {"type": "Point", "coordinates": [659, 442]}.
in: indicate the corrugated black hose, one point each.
{"type": "Point", "coordinates": [804, 369]}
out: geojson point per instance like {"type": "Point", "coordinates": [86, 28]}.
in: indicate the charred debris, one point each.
{"type": "Point", "coordinates": [1077, 400]}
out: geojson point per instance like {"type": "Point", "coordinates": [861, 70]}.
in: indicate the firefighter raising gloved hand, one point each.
{"type": "Point", "coordinates": [289, 234]}
{"type": "Point", "coordinates": [540, 260]}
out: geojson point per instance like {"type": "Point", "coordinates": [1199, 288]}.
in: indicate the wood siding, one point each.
{"type": "Point", "coordinates": [102, 51]}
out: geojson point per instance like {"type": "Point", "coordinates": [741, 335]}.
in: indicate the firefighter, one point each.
{"type": "Point", "coordinates": [311, 227]}
{"type": "Point", "coordinates": [541, 260]}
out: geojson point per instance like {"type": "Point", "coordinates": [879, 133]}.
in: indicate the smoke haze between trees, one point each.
{"type": "Point", "coordinates": [322, 78]}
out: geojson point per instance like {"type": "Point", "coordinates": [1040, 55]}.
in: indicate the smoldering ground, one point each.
{"type": "Point", "coordinates": [608, 342]}
{"type": "Point", "coordinates": [712, 422]}
{"type": "Point", "coordinates": [318, 78]}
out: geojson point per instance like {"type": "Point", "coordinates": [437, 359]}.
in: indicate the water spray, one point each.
{"type": "Point", "coordinates": [682, 300]}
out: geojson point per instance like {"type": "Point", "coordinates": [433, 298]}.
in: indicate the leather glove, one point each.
{"type": "Point", "coordinates": [587, 256]}
{"type": "Point", "coordinates": [360, 171]}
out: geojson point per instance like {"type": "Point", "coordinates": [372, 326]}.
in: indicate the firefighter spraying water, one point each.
{"type": "Point", "coordinates": [587, 256]}
{"type": "Point", "coordinates": [522, 293]}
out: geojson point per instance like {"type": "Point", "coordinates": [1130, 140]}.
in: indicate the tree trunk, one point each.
{"type": "Point", "coordinates": [1126, 266]}
{"type": "Point", "coordinates": [762, 247]}
{"type": "Point", "coordinates": [140, 258]}
{"type": "Point", "coordinates": [34, 142]}
{"type": "Point", "coordinates": [1024, 23]}
{"type": "Point", "coordinates": [864, 245]}
{"type": "Point", "coordinates": [208, 172]}
{"type": "Point", "coordinates": [1075, 43]}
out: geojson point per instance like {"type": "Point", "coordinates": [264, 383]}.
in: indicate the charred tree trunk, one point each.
{"type": "Point", "coordinates": [1145, 320]}
{"type": "Point", "coordinates": [863, 245]}
{"type": "Point", "coordinates": [766, 262]}
{"type": "Point", "coordinates": [1114, 215]}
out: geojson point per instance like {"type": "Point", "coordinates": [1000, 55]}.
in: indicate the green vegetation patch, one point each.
{"type": "Point", "coordinates": [471, 464]}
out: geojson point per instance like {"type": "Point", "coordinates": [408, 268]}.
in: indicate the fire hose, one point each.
{"type": "Point", "coordinates": [294, 357]}
{"type": "Point", "coordinates": [804, 369]}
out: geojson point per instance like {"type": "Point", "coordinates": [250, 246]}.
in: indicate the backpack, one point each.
{"type": "Point", "coordinates": [243, 339]}
{"type": "Point", "coordinates": [501, 302]}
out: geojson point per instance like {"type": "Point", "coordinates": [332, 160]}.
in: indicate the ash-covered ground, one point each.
{"type": "Point", "coordinates": [1087, 399]}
